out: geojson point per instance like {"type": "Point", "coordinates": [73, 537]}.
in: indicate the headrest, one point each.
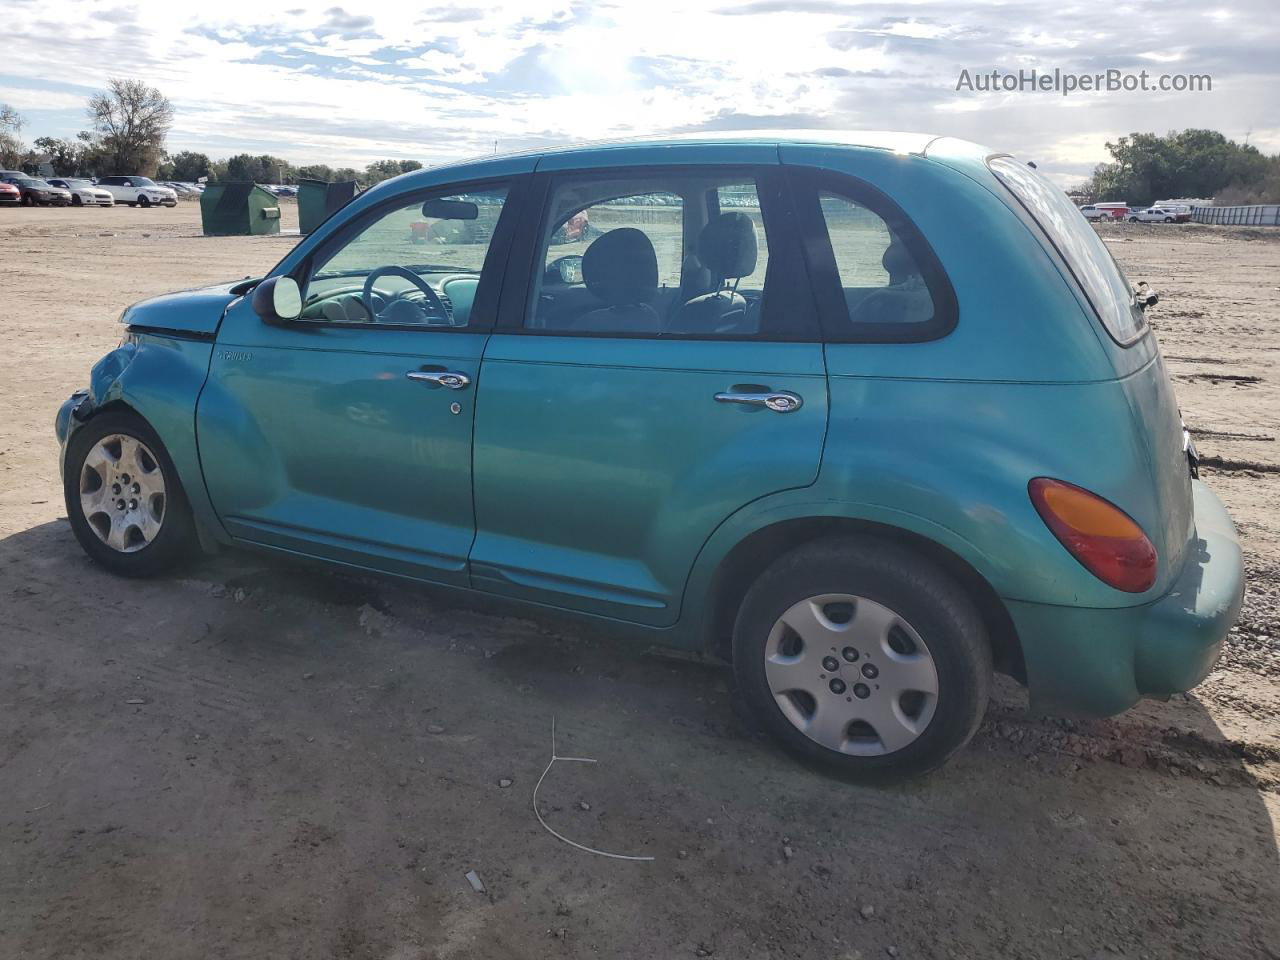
{"type": "Point", "coordinates": [621, 267]}
{"type": "Point", "coordinates": [897, 262]}
{"type": "Point", "coordinates": [727, 246]}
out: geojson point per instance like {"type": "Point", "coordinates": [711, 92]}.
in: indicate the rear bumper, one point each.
{"type": "Point", "coordinates": [1100, 662]}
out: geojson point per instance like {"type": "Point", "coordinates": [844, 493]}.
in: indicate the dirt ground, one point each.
{"type": "Point", "coordinates": [252, 760]}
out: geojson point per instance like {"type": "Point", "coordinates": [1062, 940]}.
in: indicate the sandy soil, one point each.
{"type": "Point", "coordinates": [255, 760]}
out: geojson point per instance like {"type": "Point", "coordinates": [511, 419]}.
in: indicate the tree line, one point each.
{"type": "Point", "coordinates": [129, 124]}
{"type": "Point", "coordinates": [1146, 167]}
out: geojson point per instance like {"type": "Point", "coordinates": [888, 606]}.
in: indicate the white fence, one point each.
{"type": "Point", "coordinates": [1258, 215]}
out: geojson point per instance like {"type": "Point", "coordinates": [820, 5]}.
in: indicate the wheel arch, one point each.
{"type": "Point", "coordinates": [159, 381]}
{"type": "Point", "coordinates": [750, 555]}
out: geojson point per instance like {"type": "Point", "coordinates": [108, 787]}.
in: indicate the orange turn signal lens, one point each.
{"type": "Point", "coordinates": [1097, 533]}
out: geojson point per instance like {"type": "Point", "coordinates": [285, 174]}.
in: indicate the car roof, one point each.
{"type": "Point", "coordinates": [894, 141]}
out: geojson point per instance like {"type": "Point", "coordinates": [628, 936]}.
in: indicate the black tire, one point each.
{"type": "Point", "coordinates": [28, 200]}
{"type": "Point", "coordinates": [75, 201]}
{"type": "Point", "coordinates": [919, 592]}
{"type": "Point", "coordinates": [144, 202]}
{"type": "Point", "coordinates": [176, 540]}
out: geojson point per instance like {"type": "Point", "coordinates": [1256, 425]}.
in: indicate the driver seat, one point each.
{"type": "Point", "coordinates": [621, 269]}
{"type": "Point", "coordinates": [345, 309]}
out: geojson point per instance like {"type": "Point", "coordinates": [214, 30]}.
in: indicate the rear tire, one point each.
{"type": "Point", "coordinates": [893, 675]}
{"type": "Point", "coordinates": [124, 499]}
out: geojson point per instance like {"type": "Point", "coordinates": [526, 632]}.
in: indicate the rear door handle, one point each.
{"type": "Point", "coordinates": [779, 401]}
{"type": "Point", "coordinates": [441, 378]}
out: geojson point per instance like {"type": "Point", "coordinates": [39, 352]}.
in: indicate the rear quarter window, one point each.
{"type": "Point", "coordinates": [1084, 252]}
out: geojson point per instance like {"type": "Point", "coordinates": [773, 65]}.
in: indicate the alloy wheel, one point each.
{"type": "Point", "coordinates": [851, 674]}
{"type": "Point", "coordinates": [122, 492]}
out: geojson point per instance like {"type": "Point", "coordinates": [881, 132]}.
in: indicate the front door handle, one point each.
{"type": "Point", "coordinates": [779, 401]}
{"type": "Point", "coordinates": [441, 378]}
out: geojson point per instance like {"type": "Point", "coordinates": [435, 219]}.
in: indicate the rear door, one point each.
{"type": "Point", "coordinates": [656, 368]}
{"type": "Point", "coordinates": [347, 434]}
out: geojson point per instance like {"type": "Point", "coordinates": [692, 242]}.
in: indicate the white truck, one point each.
{"type": "Point", "coordinates": [138, 191]}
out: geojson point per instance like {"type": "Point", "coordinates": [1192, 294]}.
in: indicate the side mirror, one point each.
{"type": "Point", "coordinates": [567, 270]}
{"type": "Point", "coordinates": [277, 298]}
{"type": "Point", "coordinates": [1145, 296]}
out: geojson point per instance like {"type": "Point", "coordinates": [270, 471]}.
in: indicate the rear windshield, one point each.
{"type": "Point", "coordinates": [1087, 257]}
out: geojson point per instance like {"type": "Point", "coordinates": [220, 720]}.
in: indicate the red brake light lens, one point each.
{"type": "Point", "coordinates": [1096, 532]}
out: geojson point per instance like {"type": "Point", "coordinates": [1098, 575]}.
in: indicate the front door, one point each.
{"type": "Point", "coordinates": [347, 434]}
{"type": "Point", "coordinates": [664, 372]}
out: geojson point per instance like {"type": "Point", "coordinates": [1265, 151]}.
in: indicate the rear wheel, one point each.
{"type": "Point", "coordinates": [862, 658]}
{"type": "Point", "coordinates": [124, 500]}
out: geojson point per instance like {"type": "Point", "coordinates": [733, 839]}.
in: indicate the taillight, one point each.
{"type": "Point", "coordinates": [1096, 532]}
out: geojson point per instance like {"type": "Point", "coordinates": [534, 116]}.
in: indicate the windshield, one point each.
{"type": "Point", "coordinates": [1085, 253]}
{"type": "Point", "coordinates": [143, 182]}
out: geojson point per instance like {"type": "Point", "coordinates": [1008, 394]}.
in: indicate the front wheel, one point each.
{"type": "Point", "coordinates": [144, 202]}
{"type": "Point", "coordinates": [862, 658]}
{"type": "Point", "coordinates": [124, 500]}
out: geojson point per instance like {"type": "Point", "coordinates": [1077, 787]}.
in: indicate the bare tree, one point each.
{"type": "Point", "coordinates": [133, 120]}
{"type": "Point", "coordinates": [11, 147]}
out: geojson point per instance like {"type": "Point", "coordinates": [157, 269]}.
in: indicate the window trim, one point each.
{"type": "Point", "coordinates": [769, 178]}
{"type": "Point", "coordinates": [492, 271]}
{"type": "Point", "coordinates": [807, 183]}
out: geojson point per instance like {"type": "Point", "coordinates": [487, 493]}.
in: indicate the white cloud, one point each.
{"type": "Point", "coordinates": [323, 82]}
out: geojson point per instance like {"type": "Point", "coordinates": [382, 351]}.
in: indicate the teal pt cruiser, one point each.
{"type": "Point", "coordinates": [869, 419]}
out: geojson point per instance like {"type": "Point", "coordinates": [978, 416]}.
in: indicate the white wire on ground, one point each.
{"type": "Point", "coordinates": [559, 836]}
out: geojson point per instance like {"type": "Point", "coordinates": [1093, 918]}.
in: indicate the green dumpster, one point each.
{"type": "Point", "coordinates": [319, 199]}
{"type": "Point", "coordinates": [238, 209]}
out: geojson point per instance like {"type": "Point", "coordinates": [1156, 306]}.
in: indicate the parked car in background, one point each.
{"type": "Point", "coordinates": [83, 192]}
{"type": "Point", "coordinates": [1113, 210]}
{"type": "Point", "coordinates": [1152, 215]}
{"type": "Point", "coordinates": [1091, 212]}
{"type": "Point", "coordinates": [776, 432]}
{"type": "Point", "coordinates": [37, 192]}
{"type": "Point", "coordinates": [138, 191]}
{"type": "Point", "coordinates": [10, 195]}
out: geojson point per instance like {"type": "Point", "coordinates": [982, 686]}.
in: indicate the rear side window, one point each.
{"type": "Point", "coordinates": [876, 276]}
{"type": "Point", "coordinates": [1086, 256]}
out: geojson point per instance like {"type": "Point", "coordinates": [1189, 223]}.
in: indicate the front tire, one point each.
{"type": "Point", "coordinates": [124, 499]}
{"type": "Point", "coordinates": [144, 202]}
{"type": "Point", "coordinates": [862, 658]}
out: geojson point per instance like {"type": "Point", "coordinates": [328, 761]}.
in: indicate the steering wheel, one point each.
{"type": "Point", "coordinates": [433, 298]}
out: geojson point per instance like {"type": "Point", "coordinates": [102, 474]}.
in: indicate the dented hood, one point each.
{"type": "Point", "coordinates": [192, 312]}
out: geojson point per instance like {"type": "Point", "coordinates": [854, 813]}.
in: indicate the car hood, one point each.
{"type": "Point", "coordinates": [189, 312]}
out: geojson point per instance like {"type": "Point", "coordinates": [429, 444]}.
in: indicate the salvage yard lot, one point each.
{"type": "Point", "coordinates": [253, 759]}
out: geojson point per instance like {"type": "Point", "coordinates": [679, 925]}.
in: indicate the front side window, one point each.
{"type": "Point", "coordinates": [1086, 256]}
{"type": "Point", "coordinates": [682, 253]}
{"type": "Point", "coordinates": [416, 262]}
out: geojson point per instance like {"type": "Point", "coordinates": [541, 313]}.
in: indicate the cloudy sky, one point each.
{"type": "Point", "coordinates": [346, 85]}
